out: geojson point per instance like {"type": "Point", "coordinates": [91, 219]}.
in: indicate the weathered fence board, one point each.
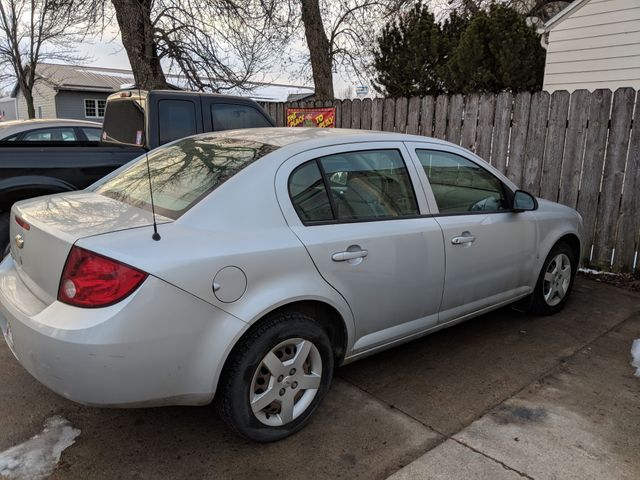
{"type": "Point", "coordinates": [554, 145]}
{"type": "Point", "coordinates": [413, 116]}
{"type": "Point", "coordinates": [365, 114]}
{"type": "Point", "coordinates": [376, 115]}
{"type": "Point", "coordinates": [355, 113]}
{"type": "Point", "coordinates": [534, 149]}
{"type": "Point", "coordinates": [401, 115]}
{"type": "Point", "coordinates": [599, 109]}
{"type": "Point", "coordinates": [572, 148]}
{"type": "Point", "coordinates": [389, 116]}
{"type": "Point", "coordinates": [470, 122]}
{"type": "Point", "coordinates": [519, 125]}
{"type": "Point", "coordinates": [629, 218]}
{"type": "Point", "coordinates": [502, 122]}
{"type": "Point", "coordinates": [427, 111]}
{"type": "Point", "coordinates": [454, 125]}
{"type": "Point", "coordinates": [440, 127]}
{"type": "Point", "coordinates": [485, 126]}
{"type": "Point", "coordinates": [613, 174]}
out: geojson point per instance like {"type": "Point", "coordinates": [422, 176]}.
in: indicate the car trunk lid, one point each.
{"type": "Point", "coordinates": [47, 227]}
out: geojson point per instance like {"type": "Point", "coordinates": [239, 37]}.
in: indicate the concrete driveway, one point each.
{"type": "Point", "coordinates": [506, 395]}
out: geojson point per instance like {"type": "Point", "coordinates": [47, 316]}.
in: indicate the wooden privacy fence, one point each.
{"type": "Point", "coordinates": [580, 149]}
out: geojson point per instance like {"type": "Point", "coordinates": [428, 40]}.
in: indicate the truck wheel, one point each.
{"type": "Point", "coordinates": [276, 377]}
{"type": "Point", "coordinates": [4, 234]}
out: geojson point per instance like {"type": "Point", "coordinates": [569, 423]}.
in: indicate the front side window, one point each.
{"type": "Point", "coordinates": [182, 174]}
{"type": "Point", "coordinates": [365, 185]}
{"type": "Point", "coordinates": [460, 185]}
{"type": "Point", "coordinates": [177, 119]}
{"type": "Point", "coordinates": [227, 116]}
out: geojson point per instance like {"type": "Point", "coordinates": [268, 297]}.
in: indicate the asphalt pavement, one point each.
{"type": "Point", "coordinates": [503, 396]}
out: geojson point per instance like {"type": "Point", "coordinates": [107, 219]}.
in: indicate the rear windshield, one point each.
{"type": "Point", "coordinates": [182, 173]}
{"type": "Point", "coordinates": [124, 122]}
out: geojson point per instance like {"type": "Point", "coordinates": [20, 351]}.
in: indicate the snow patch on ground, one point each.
{"type": "Point", "coordinates": [36, 458]}
{"type": "Point", "coordinates": [596, 272]}
{"type": "Point", "coordinates": [635, 355]}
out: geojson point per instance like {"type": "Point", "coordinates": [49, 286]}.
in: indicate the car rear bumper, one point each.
{"type": "Point", "coordinates": [159, 346]}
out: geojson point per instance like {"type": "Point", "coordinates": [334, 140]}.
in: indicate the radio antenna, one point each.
{"type": "Point", "coordinates": [143, 140]}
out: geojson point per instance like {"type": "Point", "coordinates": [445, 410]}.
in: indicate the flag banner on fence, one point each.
{"type": "Point", "coordinates": [311, 117]}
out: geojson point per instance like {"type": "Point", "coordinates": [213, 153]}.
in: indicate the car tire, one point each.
{"type": "Point", "coordinates": [271, 364]}
{"type": "Point", "coordinates": [555, 282]}
{"type": "Point", "coordinates": [4, 234]}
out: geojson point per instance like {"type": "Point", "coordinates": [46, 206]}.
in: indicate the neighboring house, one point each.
{"type": "Point", "coordinates": [76, 92]}
{"type": "Point", "coordinates": [593, 44]}
{"type": "Point", "coordinates": [7, 109]}
{"type": "Point", "coordinates": [66, 91]}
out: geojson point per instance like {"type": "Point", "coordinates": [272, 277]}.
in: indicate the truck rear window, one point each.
{"type": "Point", "coordinates": [124, 122]}
{"type": "Point", "coordinates": [182, 173]}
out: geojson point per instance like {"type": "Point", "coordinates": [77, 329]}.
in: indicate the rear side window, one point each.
{"type": "Point", "coordinates": [227, 116]}
{"type": "Point", "coordinates": [308, 193]}
{"type": "Point", "coordinates": [92, 134]}
{"type": "Point", "coordinates": [177, 119]}
{"type": "Point", "coordinates": [183, 173]}
{"type": "Point", "coordinates": [61, 134]}
{"type": "Point", "coordinates": [460, 185]}
{"type": "Point", "coordinates": [366, 185]}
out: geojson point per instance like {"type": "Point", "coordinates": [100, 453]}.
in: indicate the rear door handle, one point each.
{"type": "Point", "coordinates": [347, 255]}
{"type": "Point", "coordinates": [466, 237]}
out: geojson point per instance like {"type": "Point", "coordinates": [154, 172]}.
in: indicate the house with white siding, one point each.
{"type": "Point", "coordinates": [593, 44]}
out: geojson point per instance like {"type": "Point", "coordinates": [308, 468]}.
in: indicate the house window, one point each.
{"type": "Point", "coordinates": [94, 108]}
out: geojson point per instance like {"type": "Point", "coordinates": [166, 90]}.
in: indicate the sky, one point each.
{"type": "Point", "coordinates": [108, 52]}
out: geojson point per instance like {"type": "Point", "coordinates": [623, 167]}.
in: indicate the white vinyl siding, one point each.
{"type": "Point", "coordinates": [596, 45]}
{"type": "Point", "coordinates": [44, 96]}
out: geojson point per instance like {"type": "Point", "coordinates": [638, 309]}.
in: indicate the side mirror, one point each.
{"type": "Point", "coordinates": [524, 202]}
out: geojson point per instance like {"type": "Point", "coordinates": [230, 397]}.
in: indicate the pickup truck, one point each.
{"type": "Point", "coordinates": [134, 120]}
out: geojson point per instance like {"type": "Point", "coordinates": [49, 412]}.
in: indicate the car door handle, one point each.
{"type": "Point", "coordinates": [344, 256]}
{"type": "Point", "coordinates": [466, 237]}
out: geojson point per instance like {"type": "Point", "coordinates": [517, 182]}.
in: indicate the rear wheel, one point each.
{"type": "Point", "coordinates": [276, 377]}
{"type": "Point", "coordinates": [555, 281]}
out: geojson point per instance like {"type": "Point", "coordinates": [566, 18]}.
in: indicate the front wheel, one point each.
{"type": "Point", "coordinates": [276, 377]}
{"type": "Point", "coordinates": [555, 281]}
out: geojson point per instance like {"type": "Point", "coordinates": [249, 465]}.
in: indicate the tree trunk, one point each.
{"type": "Point", "coordinates": [27, 92]}
{"type": "Point", "coordinates": [319, 49]}
{"type": "Point", "coordinates": [134, 20]}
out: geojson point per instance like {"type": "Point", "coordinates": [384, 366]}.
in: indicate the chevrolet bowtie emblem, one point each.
{"type": "Point", "coordinates": [19, 241]}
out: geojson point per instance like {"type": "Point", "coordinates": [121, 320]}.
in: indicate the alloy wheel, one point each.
{"type": "Point", "coordinates": [557, 279]}
{"type": "Point", "coordinates": [286, 382]}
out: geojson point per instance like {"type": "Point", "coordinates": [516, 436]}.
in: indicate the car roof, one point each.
{"type": "Point", "coordinates": [315, 137]}
{"type": "Point", "coordinates": [18, 126]}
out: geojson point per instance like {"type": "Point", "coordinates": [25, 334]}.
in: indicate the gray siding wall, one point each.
{"type": "Point", "coordinates": [43, 97]}
{"type": "Point", "coordinates": [597, 45]}
{"type": "Point", "coordinates": [71, 104]}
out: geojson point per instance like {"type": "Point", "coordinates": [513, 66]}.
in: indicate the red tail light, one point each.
{"type": "Point", "coordinates": [22, 223]}
{"type": "Point", "coordinates": [90, 280]}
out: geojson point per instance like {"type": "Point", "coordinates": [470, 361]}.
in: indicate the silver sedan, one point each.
{"type": "Point", "coordinates": [279, 254]}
